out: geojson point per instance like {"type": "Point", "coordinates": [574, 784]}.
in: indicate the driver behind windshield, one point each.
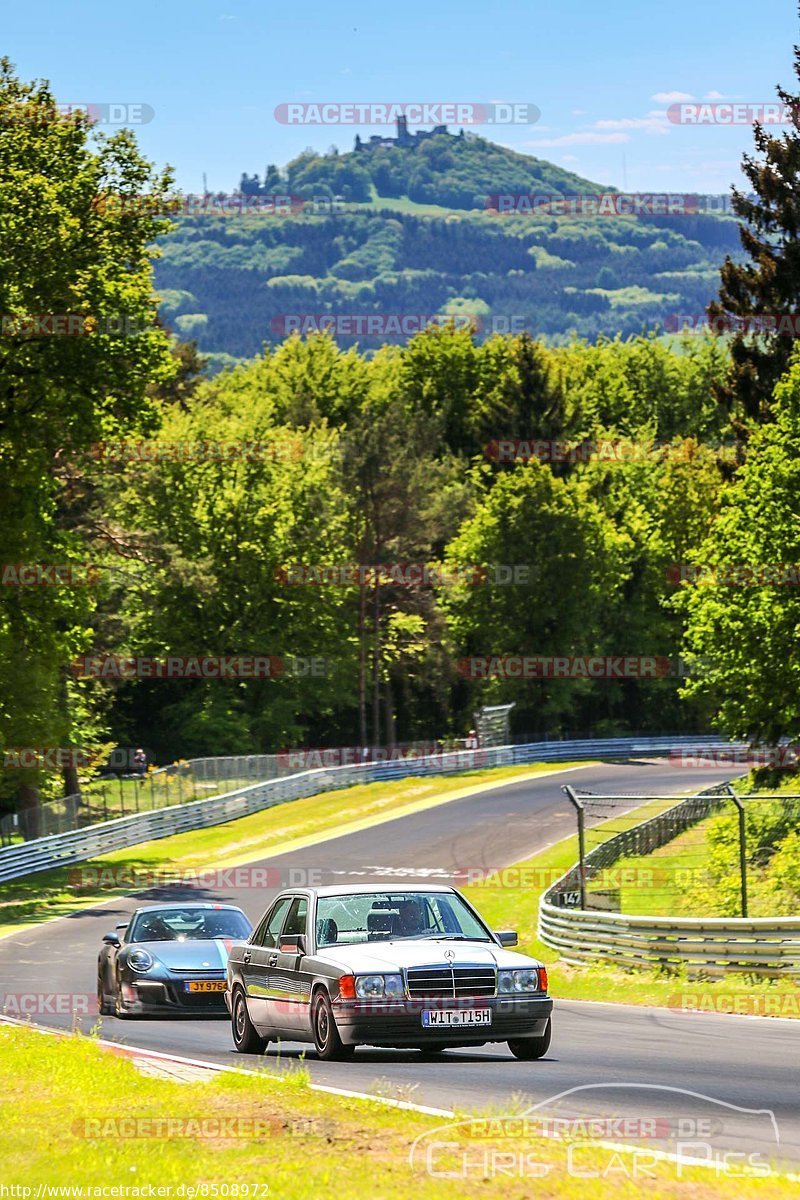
{"type": "Point", "coordinates": [410, 919]}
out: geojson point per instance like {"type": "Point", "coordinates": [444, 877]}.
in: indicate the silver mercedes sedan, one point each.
{"type": "Point", "coordinates": [413, 967]}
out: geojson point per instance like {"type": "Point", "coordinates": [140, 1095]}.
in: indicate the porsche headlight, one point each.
{"type": "Point", "coordinates": [370, 987]}
{"type": "Point", "coordinates": [140, 960]}
{"type": "Point", "coordinates": [510, 982]}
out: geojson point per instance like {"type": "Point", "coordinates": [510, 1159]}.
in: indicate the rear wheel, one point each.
{"type": "Point", "coordinates": [246, 1038]}
{"type": "Point", "coordinates": [329, 1045]}
{"type": "Point", "coordinates": [530, 1048]}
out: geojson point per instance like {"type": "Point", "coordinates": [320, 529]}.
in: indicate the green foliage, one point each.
{"type": "Point", "coordinates": [65, 252]}
{"type": "Point", "coordinates": [747, 633]}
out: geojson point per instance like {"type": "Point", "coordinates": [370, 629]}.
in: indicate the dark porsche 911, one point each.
{"type": "Point", "coordinates": [169, 958]}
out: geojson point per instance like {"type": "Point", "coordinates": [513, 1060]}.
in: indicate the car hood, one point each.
{"type": "Point", "coordinates": [383, 957]}
{"type": "Point", "coordinates": [202, 954]}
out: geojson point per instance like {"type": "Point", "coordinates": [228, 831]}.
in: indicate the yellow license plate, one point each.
{"type": "Point", "coordinates": [205, 985]}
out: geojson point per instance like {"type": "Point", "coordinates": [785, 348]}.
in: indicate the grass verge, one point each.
{"type": "Point", "coordinates": [35, 898]}
{"type": "Point", "coordinates": [73, 1115]}
{"type": "Point", "coordinates": [509, 899]}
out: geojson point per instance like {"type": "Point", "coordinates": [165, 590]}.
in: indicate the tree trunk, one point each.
{"type": "Point", "coordinates": [71, 782]}
{"type": "Point", "coordinates": [376, 665]}
{"type": "Point", "coordinates": [388, 714]}
{"type": "Point", "coordinates": [30, 813]}
{"type": "Point", "coordinates": [362, 664]}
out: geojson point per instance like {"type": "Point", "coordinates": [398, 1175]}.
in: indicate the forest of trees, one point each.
{"type": "Point", "coordinates": [191, 517]}
{"type": "Point", "coordinates": [229, 282]}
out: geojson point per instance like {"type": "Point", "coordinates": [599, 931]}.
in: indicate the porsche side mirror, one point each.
{"type": "Point", "coordinates": [506, 937]}
{"type": "Point", "coordinates": [111, 939]}
{"type": "Point", "coordinates": [292, 943]}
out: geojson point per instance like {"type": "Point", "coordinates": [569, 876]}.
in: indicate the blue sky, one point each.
{"type": "Point", "coordinates": [603, 75]}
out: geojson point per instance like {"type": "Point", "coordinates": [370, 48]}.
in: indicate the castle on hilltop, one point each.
{"type": "Point", "coordinates": [404, 138]}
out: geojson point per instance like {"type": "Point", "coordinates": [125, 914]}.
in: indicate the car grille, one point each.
{"type": "Point", "coordinates": [450, 983]}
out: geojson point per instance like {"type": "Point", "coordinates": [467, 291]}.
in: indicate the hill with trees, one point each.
{"type": "Point", "coordinates": [405, 230]}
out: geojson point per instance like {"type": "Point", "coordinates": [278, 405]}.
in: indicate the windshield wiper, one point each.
{"type": "Point", "coordinates": [449, 937]}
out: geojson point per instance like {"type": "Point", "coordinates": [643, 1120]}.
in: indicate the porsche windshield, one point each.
{"type": "Point", "coordinates": [189, 924]}
{"type": "Point", "coordinates": [392, 916]}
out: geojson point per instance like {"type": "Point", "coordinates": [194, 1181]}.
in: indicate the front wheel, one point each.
{"type": "Point", "coordinates": [329, 1045]}
{"type": "Point", "coordinates": [119, 1011]}
{"type": "Point", "coordinates": [104, 1007]}
{"type": "Point", "coordinates": [246, 1038]}
{"type": "Point", "coordinates": [530, 1048]}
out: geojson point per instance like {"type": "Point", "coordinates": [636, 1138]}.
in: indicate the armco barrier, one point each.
{"type": "Point", "coordinates": [709, 945]}
{"type": "Point", "coordinates": [42, 854]}
{"type": "Point", "coordinates": [713, 946]}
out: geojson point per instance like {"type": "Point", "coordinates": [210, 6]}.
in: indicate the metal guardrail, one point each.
{"type": "Point", "coordinates": [42, 854]}
{"type": "Point", "coordinates": [713, 946]}
{"type": "Point", "coordinates": [116, 795]}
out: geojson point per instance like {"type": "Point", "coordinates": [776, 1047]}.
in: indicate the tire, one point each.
{"type": "Point", "coordinates": [119, 1011]}
{"type": "Point", "coordinates": [329, 1046]}
{"type": "Point", "coordinates": [530, 1048]}
{"type": "Point", "coordinates": [246, 1038]}
{"type": "Point", "coordinates": [104, 1007]}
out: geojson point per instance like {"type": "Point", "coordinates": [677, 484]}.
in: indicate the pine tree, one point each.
{"type": "Point", "coordinates": [766, 288]}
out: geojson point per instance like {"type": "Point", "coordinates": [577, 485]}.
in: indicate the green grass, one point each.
{"type": "Point", "coordinates": [74, 1115]}
{"type": "Point", "coordinates": [511, 901]}
{"type": "Point", "coordinates": [35, 898]}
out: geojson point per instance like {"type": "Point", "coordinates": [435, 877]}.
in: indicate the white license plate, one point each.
{"type": "Point", "coordinates": [432, 1018]}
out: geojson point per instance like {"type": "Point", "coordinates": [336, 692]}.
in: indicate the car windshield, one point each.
{"type": "Point", "coordinates": [189, 924]}
{"type": "Point", "coordinates": [392, 916]}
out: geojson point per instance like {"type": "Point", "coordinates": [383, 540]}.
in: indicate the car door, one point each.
{"type": "Point", "coordinates": [259, 958]}
{"type": "Point", "coordinates": [289, 989]}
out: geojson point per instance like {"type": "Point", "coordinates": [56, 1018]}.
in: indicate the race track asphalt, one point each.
{"type": "Point", "coordinates": [723, 1086]}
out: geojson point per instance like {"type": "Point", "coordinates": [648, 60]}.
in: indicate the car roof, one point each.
{"type": "Point", "coordinates": [178, 907]}
{"type": "Point", "coordinates": [340, 889]}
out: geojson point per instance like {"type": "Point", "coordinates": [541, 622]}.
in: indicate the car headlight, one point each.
{"type": "Point", "coordinates": [140, 960]}
{"type": "Point", "coordinates": [368, 987]}
{"type": "Point", "coordinates": [393, 985]}
{"type": "Point", "coordinates": [526, 980]}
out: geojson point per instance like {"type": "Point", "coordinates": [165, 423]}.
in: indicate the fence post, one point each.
{"type": "Point", "coordinates": [571, 795]}
{"type": "Point", "coordinates": [742, 844]}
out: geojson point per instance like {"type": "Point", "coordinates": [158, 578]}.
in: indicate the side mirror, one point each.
{"type": "Point", "coordinates": [506, 937]}
{"type": "Point", "coordinates": [111, 939]}
{"type": "Point", "coordinates": [292, 943]}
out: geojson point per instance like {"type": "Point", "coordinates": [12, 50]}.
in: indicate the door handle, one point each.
{"type": "Point", "coordinates": [246, 956]}
{"type": "Point", "coordinates": [271, 961]}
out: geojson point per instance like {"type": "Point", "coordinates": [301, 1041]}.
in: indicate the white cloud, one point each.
{"type": "Point", "coordinates": [569, 158]}
{"type": "Point", "coordinates": [672, 97]}
{"type": "Point", "coordinates": [655, 122]}
{"type": "Point", "coordinates": [714, 96]}
{"type": "Point", "coordinates": [579, 112]}
{"type": "Point", "coordinates": [588, 138]}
